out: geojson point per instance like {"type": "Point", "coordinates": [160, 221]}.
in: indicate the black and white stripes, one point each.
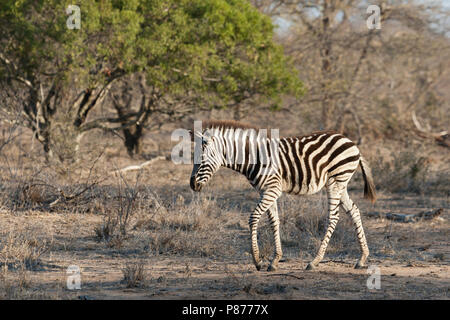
{"type": "Point", "coordinates": [297, 165]}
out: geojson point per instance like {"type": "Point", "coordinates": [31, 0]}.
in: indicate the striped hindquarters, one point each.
{"type": "Point", "coordinates": [308, 162]}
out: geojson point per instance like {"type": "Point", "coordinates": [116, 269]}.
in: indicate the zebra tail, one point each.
{"type": "Point", "coordinates": [369, 186]}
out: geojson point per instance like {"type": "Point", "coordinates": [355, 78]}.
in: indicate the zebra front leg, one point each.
{"type": "Point", "coordinates": [352, 209]}
{"type": "Point", "coordinates": [334, 191]}
{"type": "Point", "coordinates": [267, 200]}
{"type": "Point", "coordinates": [275, 224]}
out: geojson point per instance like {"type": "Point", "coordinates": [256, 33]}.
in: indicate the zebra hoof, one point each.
{"type": "Point", "coordinates": [258, 266]}
{"type": "Point", "coordinates": [360, 265]}
{"type": "Point", "coordinates": [310, 266]}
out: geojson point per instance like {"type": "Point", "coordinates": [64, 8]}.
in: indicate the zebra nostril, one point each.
{"type": "Point", "coordinates": [194, 185]}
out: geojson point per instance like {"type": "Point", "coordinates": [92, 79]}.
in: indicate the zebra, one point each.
{"type": "Point", "coordinates": [306, 164]}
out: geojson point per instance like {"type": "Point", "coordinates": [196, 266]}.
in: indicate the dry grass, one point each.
{"type": "Point", "coordinates": [21, 252]}
{"type": "Point", "coordinates": [21, 249]}
{"type": "Point", "coordinates": [153, 215]}
{"type": "Point", "coordinates": [194, 228]}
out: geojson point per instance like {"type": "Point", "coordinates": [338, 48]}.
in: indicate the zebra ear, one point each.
{"type": "Point", "coordinates": [207, 134]}
{"type": "Point", "coordinates": [197, 134]}
{"type": "Point", "coordinates": [207, 137]}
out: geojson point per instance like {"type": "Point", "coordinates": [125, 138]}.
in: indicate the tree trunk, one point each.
{"type": "Point", "coordinates": [133, 133]}
{"type": "Point", "coordinates": [133, 140]}
{"type": "Point", "coordinates": [325, 52]}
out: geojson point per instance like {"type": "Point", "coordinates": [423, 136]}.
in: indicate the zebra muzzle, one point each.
{"type": "Point", "coordinates": [194, 185]}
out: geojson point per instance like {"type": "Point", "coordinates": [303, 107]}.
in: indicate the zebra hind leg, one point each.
{"type": "Point", "coordinates": [352, 209]}
{"type": "Point", "coordinates": [334, 192]}
{"type": "Point", "coordinates": [275, 225]}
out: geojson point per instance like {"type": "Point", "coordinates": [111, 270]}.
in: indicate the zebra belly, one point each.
{"type": "Point", "coordinates": [303, 188]}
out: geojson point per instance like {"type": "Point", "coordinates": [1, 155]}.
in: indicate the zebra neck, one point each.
{"type": "Point", "coordinates": [241, 150]}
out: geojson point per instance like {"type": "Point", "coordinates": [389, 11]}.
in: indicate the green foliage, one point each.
{"type": "Point", "coordinates": [223, 47]}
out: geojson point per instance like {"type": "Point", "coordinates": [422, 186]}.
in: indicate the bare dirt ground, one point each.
{"type": "Point", "coordinates": [196, 246]}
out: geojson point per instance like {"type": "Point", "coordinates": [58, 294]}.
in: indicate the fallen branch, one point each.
{"type": "Point", "coordinates": [139, 167]}
{"type": "Point", "coordinates": [64, 197]}
{"type": "Point", "coordinates": [442, 138]}
{"type": "Point", "coordinates": [401, 217]}
{"type": "Point", "coordinates": [286, 275]}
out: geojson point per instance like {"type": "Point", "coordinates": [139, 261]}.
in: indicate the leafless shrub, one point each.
{"type": "Point", "coordinates": [409, 171]}
{"type": "Point", "coordinates": [22, 250]}
{"type": "Point", "coordinates": [116, 222]}
{"type": "Point", "coordinates": [127, 197]}
{"type": "Point", "coordinates": [106, 230]}
{"type": "Point", "coordinates": [134, 274]}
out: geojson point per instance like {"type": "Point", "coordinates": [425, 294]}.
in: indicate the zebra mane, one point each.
{"type": "Point", "coordinates": [233, 124]}
{"type": "Point", "coordinates": [226, 124]}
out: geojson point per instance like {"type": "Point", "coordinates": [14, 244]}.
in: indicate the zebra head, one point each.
{"type": "Point", "coordinates": [207, 160]}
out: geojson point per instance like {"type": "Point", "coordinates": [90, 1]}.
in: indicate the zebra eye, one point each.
{"type": "Point", "coordinates": [205, 142]}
